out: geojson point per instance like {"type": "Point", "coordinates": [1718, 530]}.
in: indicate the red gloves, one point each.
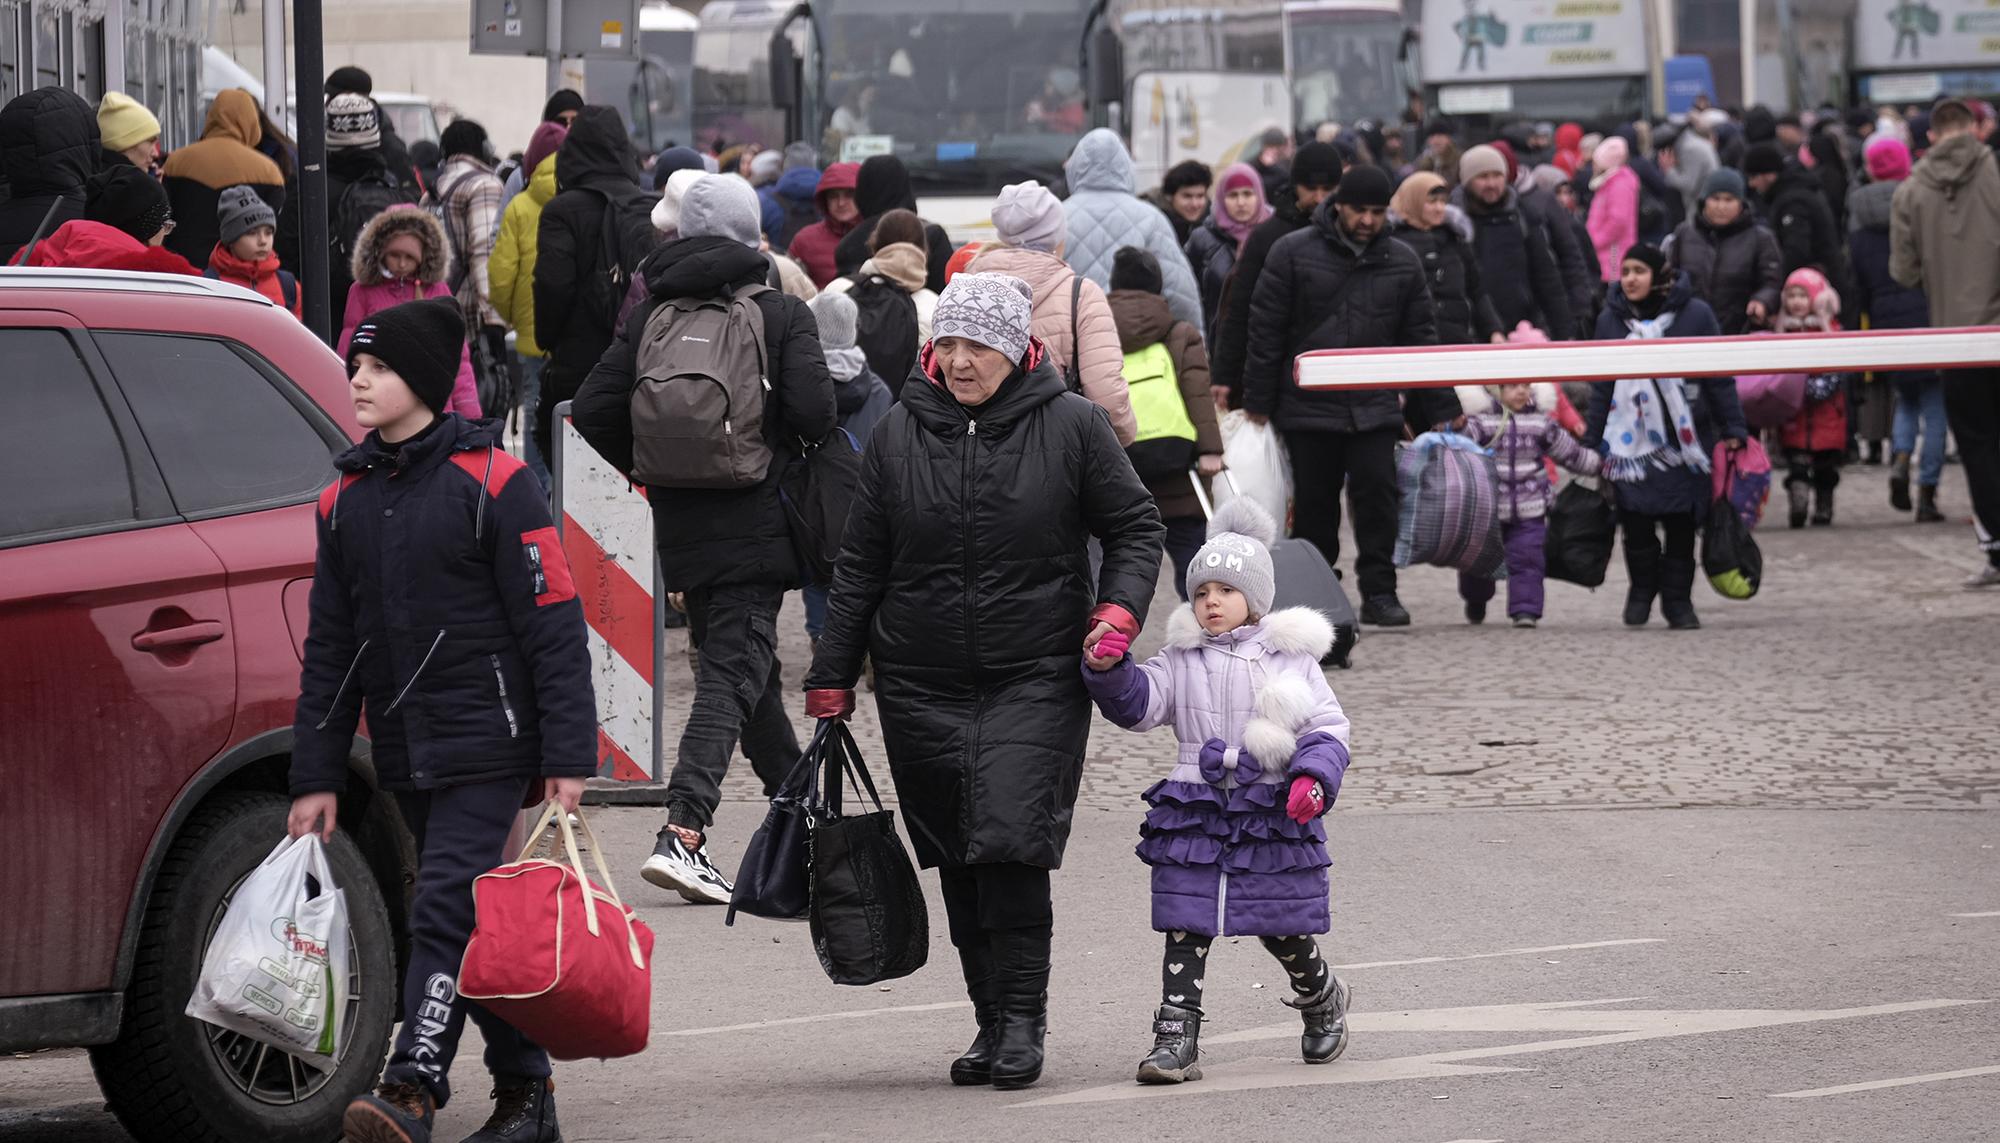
{"type": "Point", "coordinates": [830, 704]}
{"type": "Point", "coordinates": [1308, 800]}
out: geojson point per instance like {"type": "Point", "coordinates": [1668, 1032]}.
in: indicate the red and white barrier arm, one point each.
{"type": "Point", "coordinates": [1436, 366]}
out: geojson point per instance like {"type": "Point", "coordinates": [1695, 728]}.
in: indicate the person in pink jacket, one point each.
{"type": "Point", "coordinates": [400, 256]}
{"type": "Point", "coordinates": [1614, 205]}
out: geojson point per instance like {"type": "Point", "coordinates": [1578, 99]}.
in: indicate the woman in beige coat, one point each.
{"type": "Point", "coordinates": [1029, 222]}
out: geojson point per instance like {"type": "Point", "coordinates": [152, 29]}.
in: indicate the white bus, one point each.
{"type": "Point", "coordinates": [1347, 61]}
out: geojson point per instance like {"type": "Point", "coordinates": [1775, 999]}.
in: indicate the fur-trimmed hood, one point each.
{"type": "Point", "coordinates": [1285, 704]}
{"type": "Point", "coordinates": [380, 230]}
{"type": "Point", "coordinates": [1287, 631]}
{"type": "Point", "coordinates": [1477, 399]}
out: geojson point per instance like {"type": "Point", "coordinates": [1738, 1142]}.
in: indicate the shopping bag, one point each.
{"type": "Point", "coordinates": [1729, 557]}
{"type": "Point", "coordinates": [1258, 464]}
{"type": "Point", "coordinates": [1770, 399]}
{"type": "Point", "coordinates": [556, 955]}
{"type": "Point", "coordinates": [276, 968]}
{"type": "Point", "coordinates": [1582, 531]}
{"type": "Point", "coordinates": [775, 879]}
{"type": "Point", "coordinates": [1743, 478]}
{"type": "Point", "coordinates": [1450, 515]}
{"type": "Point", "coordinates": [868, 918]}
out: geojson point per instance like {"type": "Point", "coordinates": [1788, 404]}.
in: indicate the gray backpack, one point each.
{"type": "Point", "coordinates": [698, 409]}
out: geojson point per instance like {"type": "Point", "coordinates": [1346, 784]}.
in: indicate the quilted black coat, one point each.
{"type": "Point", "coordinates": [48, 149]}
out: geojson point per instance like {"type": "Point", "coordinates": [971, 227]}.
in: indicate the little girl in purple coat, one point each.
{"type": "Point", "coordinates": [1234, 834]}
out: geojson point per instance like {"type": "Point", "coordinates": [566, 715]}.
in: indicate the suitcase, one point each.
{"type": "Point", "coordinates": [1304, 580]}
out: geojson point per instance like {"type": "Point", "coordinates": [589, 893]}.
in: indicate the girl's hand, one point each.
{"type": "Point", "coordinates": [1109, 650]}
{"type": "Point", "coordinates": [313, 813]}
{"type": "Point", "coordinates": [565, 792]}
{"type": "Point", "coordinates": [1308, 800]}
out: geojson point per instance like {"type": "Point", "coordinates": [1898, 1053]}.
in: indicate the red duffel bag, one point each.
{"type": "Point", "coordinates": [557, 956]}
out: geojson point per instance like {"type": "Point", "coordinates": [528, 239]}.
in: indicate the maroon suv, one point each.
{"type": "Point", "coordinates": [163, 441]}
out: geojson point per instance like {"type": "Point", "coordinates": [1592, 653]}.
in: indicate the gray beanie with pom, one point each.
{"type": "Point", "coordinates": [1238, 553]}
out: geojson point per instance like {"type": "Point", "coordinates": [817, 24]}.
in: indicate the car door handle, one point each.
{"type": "Point", "coordinates": [191, 635]}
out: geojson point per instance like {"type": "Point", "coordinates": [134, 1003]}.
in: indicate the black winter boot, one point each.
{"type": "Point", "coordinates": [1677, 594]}
{"type": "Point", "coordinates": [1927, 509]}
{"type": "Point", "coordinates": [1021, 961]}
{"type": "Point", "coordinates": [1822, 515]}
{"type": "Point", "coordinates": [1899, 482]}
{"type": "Point", "coordinates": [976, 1065]}
{"type": "Point", "coordinates": [1325, 1014]}
{"type": "Point", "coordinates": [1642, 566]}
{"type": "Point", "coordinates": [1799, 492]}
{"type": "Point", "coordinates": [392, 1113]}
{"type": "Point", "coordinates": [1176, 1056]}
{"type": "Point", "coordinates": [524, 1111]}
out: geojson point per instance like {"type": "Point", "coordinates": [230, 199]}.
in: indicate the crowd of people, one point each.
{"type": "Point", "coordinates": [1037, 417]}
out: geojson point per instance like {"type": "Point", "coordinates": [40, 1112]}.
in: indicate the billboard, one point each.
{"type": "Point", "coordinates": [1473, 41]}
{"type": "Point", "coordinates": [1901, 34]}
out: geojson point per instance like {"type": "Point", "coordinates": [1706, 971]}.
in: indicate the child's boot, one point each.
{"type": "Point", "coordinates": [1927, 509]}
{"type": "Point", "coordinates": [524, 1111]}
{"type": "Point", "coordinates": [1176, 1056]}
{"type": "Point", "coordinates": [1899, 482]}
{"type": "Point", "coordinates": [1822, 514]}
{"type": "Point", "coordinates": [392, 1113]}
{"type": "Point", "coordinates": [1325, 1014]}
{"type": "Point", "coordinates": [1800, 494]}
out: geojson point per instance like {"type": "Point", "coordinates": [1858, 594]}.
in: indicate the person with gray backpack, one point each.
{"type": "Point", "coordinates": [716, 384]}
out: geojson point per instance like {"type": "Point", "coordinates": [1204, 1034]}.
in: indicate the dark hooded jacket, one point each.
{"type": "Point", "coordinates": [1888, 303]}
{"type": "Point", "coordinates": [1576, 255]}
{"type": "Point", "coordinates": [708, 537]}
{"type": "Point", "coordinates": [1729, 267]}
{"type": "Point", "coordinates": [196, 175]}
{"type": "Point", "coordinates": [882, 186]}
{"type": "Point", "coordinates": [1232, 323]}
{"type": "Point", "coordinates": [1517, 265]}
{"type": "Point", "coordinates": [1798, 214]}
{"type": "Point", "coordinates": [48, 149]}
{"type": "Point", "coordinates": [1316, 292]}
{"type": "Point", "coordinates": [1451, 268]}
{"type": "Point", "coordinates": [345, 168]}
{"type": "Point", "coordinates": [965, 576]}
{"type": "Point", "coordinates": [576, 296]}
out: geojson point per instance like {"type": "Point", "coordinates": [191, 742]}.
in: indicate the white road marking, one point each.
{"type": "Point", "coordinates": [1505, 952]}
{"type": "Point", "coordinates": [1477, 1141]}
{"type": "Point", "coordinates": [1994, 913]}
{"type": "Point", "coordinates": [1903, 1081]}
{"type": "Point", "coordinates": [1621, 1026]}
{"type": "Point", "coordinates": [820, 1018]}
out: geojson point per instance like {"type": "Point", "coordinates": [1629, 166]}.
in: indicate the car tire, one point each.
{"type": "Point", "coordinates": [161, 1077]}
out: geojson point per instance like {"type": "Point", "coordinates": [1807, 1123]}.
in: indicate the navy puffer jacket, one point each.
{"type": "Point", "coordinates": [442, 601]}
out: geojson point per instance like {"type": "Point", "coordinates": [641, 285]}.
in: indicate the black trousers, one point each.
{"type": "Point", "coordinates": [738, 693]}
{"type": "Point", "coordinates": [1185, 535]}
{"type": "Point", "coordinates": [1365, 464]}
{"type": "Point", "coordinates": [1002, 921]}
{"type": "Point", "coordinates": [1972, 409]}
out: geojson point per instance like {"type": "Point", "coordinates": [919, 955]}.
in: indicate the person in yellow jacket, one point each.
{"type": "Point", "coordinates": [511, 272]}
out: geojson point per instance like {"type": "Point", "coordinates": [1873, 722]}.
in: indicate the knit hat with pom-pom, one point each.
{"type": "Point", "coordinates": [1238, 553]}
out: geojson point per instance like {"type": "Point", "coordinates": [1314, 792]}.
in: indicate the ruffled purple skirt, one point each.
{"type": "Point", "coordinates": [1231, 863]}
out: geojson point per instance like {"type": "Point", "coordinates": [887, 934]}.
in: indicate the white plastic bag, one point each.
{"type": "Point", "coordinates": [276, 970]}
{"type": "Point", "coordinates": [1258, 465]}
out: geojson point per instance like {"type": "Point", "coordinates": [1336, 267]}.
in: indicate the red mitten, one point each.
{"type": "Point", "coordinates": [1113, 646]}
{"type": "Point", "coordinates": [829, 704]}
{"type": "Point", "coordinates": [1308, 800]}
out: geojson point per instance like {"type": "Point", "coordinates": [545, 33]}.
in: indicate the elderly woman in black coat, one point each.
{"type": "Point", "coordinates": [964, 574]}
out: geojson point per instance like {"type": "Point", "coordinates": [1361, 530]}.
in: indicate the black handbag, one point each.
{"type": "Point", "coordinates": [1582, 531]}
{"type": "Point", "coordinates": [817, 487]}
{"type": "Point", "coordinates": [775, 879]}
{"type": "Point", "coordinates": [1729, 556]}
{"type": "Point", "coordinates": [868, 918]}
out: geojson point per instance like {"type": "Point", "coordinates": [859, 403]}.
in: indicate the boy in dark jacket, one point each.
{"type": "Point", "coordinates": [1179, 418]}
{"type": "Point", "coordinates": [441, 600]}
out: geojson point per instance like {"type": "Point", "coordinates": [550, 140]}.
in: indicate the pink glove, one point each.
{"type": "Point", "coordinates": [1307, 802]}
{"type": "Point", "coordinates": [1113, 646]}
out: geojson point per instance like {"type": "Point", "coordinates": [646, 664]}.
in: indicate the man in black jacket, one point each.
{"type": "Point", "coordinates": [729, 550]}
{"type": "Point", "coordinates": [577, 291]}
{"type": "Point", "coordinates": [1517, 263]}
{"type": "Point", "coordinates": [1794, 206]}
{"type": "Point", "coordinates": [1343, 283]}
{"type": "Point", "coordinates": [1315, 172]}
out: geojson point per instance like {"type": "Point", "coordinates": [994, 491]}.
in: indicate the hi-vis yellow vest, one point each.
{"type": "Point", "coordinates": [1156, 395]}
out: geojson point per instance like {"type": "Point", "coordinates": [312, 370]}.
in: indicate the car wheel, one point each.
{"type": "Point", "coordinates": [169, 1076]}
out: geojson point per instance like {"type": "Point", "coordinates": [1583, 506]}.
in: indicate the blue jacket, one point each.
{"type": "Point", "coordinates": [788, 205]}
{"type": "Point", "coordinates": [442, 602]}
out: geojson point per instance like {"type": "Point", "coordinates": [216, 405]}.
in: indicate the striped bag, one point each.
{"type": "Point", "coordinates": [1451, 507]}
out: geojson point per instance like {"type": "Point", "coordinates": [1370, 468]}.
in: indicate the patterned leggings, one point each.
{"type": "Point", "coordinates": [1181, 970]}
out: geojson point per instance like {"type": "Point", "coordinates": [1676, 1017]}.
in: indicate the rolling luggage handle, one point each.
{"type": "Point", "coordinates": [1201, 494]}
{"type": "Point", "coordinates": [554, 815]}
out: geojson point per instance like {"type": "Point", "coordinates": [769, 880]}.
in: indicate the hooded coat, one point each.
{"type": "Point", "coordinates": [1096, 353]}
{"type": "Point", "coordinates": [345, 168]}
{"type": "Point", "coordinates": [965, 576]}
{"type": "Point", "coordinates": [511, 270]}
{"type": "Point", "coordinates": [880, 186]}
{"type": "Point", "coordinates": [1104, 212]}
{"type": "Point", "coordinates": [86, 245]}
{"type": "Point", "coordinates": [713, 536]}
{"type": "Point", "coordinates": [1944, 225]}
{"type": "Point", "coordinates": [1317, 292]}
{"type": "Point", "coordinates": [1888, 303]}
{"type": "Point", "coordinates": [374, 290]}
{"type": "Point", "coordinates": [788, 205]}
{"type": "Point", "coordinates": [1803, 223]}
{"type": "Point", "coordinates": [813, 246]}
{"type": "Point", "coordinates": [1143, 319]}
{"type": "Point", "coordinates": [1227, 860]}
{"type": "Point", "coordinates": [196, 175]}
{"type": "Point", "coordinates": [1518, 267]}
{"type": "Point", "coordinates": [576, 298]}
{"type": "Point", "coordinates": [1729, 267]}
{"type": "Point", "coordinates": [1614, 218]}
{"type": "Point", "coordinates": [48, 150]}
{"type": "Point", "coordinates": [1465, 314]}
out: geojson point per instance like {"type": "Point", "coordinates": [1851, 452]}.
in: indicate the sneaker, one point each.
{"type": "Point", "coordinates": [1988, 576]}
{"type": "Point", "coordinates": [1475, 612]}
{"type": "Point", "coordinates": [686, 871]}
{"type": "Point", "coordinates": [1384, 611]}
{"type": "Point", "coordinates": [1528, 621]}
{"type": "Point", "coordinates": [392, 1113]}
{"type": "Point", "coordinates": [524, 1111]}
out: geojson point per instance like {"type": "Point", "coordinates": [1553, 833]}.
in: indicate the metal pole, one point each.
{"type": "Point", "coordinates": [314, 253]}
{"type": "Point", "coordinates": [1746, 43]}
{"type": "Point", "coordinates": [555, 76]}
{"type": "Point", "coordinates": [275, 86]}
{"type": "Point", "coordinates": [113, 30]}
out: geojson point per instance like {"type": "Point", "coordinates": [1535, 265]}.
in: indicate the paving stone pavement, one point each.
{"type": "Point", "coordinates": [1862, 674]}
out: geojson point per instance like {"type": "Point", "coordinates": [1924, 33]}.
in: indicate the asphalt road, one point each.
{"type": "Point", "coordinates": [1740, 885]}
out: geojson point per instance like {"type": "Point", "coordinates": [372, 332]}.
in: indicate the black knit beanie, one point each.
{"type": "Point", "coordinates": [349, 80]}
{"type": "Point", "coordinates": [1654, 258]}
{"type": "Point", "coordinates": [1763, 159]}
{"type": "Point", "coordinates": [422, 341]}
{"type": "Point", "coordinates": [1363, 186]}
{"type": "Point", "coordinates": [1136, 269]}
{"type": "Point", "coordinates": [1316, 165]}
{"type": "Point", "coordinates": [128, 199]}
